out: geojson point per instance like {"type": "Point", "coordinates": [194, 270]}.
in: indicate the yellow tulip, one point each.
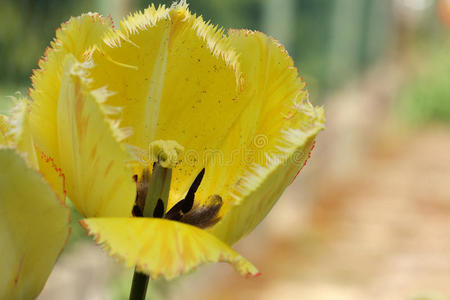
{"type": "Point", "coordinates": [226, 113]}
{"type": "Point", "coordinates": [34, 223]}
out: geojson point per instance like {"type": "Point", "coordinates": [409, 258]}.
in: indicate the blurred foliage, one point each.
{"type": "Point", "coordinates": [228, 14]}
{"type": "Point", "coordinates": [309, 30]}
{"type": "Point", "coordinates": [27, 28]}
{"type": "Point", "coordinates": [426, 96]}
{"type": "Point", "coordinates": [6, 102]}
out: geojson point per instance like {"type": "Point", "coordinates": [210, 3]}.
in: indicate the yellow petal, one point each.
{"type": "Point", "coordinates": [33, 228]}
{"type": "Point", "coordinates": [75, 37]}
{"type": "Point", "coordinates": [19, 131]}
{"type": "Point", "coordinates": [274, 136]}
{"type": "Point", "coordinates": [175, 78]}
{"type": "Point", "coordinates": [4, 127]}
{"type": "Point", "coordinates": [160, 247]}
{"type": "Point", "coordinates": [91, 158]}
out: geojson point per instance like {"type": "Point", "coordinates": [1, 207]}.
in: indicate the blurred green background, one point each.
{"type": "Point", "coordinates": [331, 41]}
{"type": "Point", "coordinates": [370, 217]}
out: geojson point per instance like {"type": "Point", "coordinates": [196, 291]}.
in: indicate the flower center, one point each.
{"type": "Point", "coordinates": [153, 191]}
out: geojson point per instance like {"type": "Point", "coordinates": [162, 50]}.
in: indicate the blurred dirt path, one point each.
{"type": "Point", "coordinates": [383, 233]}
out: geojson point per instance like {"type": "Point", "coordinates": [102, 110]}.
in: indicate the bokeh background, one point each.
{"type": "Point", "coordinates": [369, 217]}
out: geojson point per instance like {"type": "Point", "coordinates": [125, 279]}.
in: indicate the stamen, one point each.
{"type": "Point", "coordinates": [188, 201]}
{"type": "Point", "coordinates": [141, 193]}
{"type": "Point", "coordinates": [153, 192]}
{"type": "Point", "coordinates": [206, 215]}
{"type": "Point", "coordinates": [185, 205]}
{"type": "Point", "coordinates": [159, 209]}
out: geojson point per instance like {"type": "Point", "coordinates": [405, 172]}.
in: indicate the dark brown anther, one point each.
{"type": "Point", "coordinates": [185, 205]}
{"type": "Point", "coordinates": [205, 215]}
{"type": "Point", "coordinates": [202, 216]}
{"type": "Point", "coordinates": [188, 201]}
{"type": "Point", "coordinates": [137, 212]}
{"type": "Point", "coordinates": [141, 193]}
{"type": "Point", "coordinates": [159, 209]}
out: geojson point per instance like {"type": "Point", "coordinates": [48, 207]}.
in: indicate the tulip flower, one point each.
{"type": "Point", "coordinates": [173, 139]}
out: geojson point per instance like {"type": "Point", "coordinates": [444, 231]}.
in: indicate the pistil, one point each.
{"type": "Point", "coordinates": [152, 197]}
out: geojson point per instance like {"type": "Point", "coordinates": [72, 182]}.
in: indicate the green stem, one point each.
{"type": "Point", "coordinates": [139, 286]}
{"type": "Point", "coordinates": [158, 190]}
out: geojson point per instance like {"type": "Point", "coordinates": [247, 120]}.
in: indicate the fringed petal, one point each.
{"type": "Point", "coordinates": [163, 248]}
{"type": "Point", "coordinates": [76, 37]}
{"type": "Point", "coordinates": [18, 131]}
{"type": "Point", "coordinates": [91, 159]}
{"type": "Point", "coordinates": [4, 128]}
{"type": "Point", "coordinates": [273, 136]}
